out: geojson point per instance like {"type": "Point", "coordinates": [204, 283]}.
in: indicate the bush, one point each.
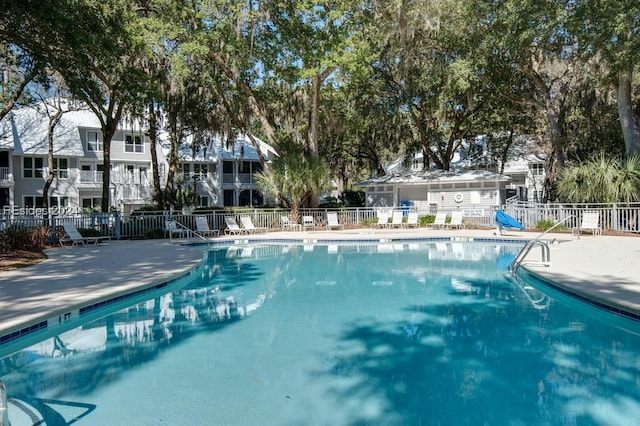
{"type": "Point", "coordinates": [546, 224]}
{"type": "Point", "coordinates": [154, 234]}
{"type": "Point", "coordinates": [89, 232]}
{"type": "Point", "coordinates": [29, 239]}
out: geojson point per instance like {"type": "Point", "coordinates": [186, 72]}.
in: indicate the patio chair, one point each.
{"type": "Point", "coordinates": [202, 228]}
{"type": "Point", "coordinates": [396, 219]}
{"type": "Point", "coordinates": [456, 220]}
{"type": "Point", "coordinates": [173, 228]}
{"type": "Point", "coordinates": [308, 222]}
{"type": "Point", "coordinates": [440, 220]}
{"type": "Point", "coordinates": [383, 220]}
{"type": "Point", "coordinates": [590, 222]}
{"type": "Point", "coordinates": [249, 227]}
{"type": "Point", "coordinates": [332, 221]}
{"type": "Point", "coordinates": [75, 237]}
{"type": "Point", "coordinates": [412, 220]}
{"type": "Point", "coordinates": [232, 226]}
{"type": "Point", "coordinates": [286, 224]}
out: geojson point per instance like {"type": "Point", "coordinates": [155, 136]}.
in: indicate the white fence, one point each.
{"type": "Point", "coordinates": [613, 217]}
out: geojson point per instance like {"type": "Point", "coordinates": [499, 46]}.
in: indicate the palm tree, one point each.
{"type": "Point", "coordinates": [602, 180]}
{"type": "Point", "coordinates": [293, 179]}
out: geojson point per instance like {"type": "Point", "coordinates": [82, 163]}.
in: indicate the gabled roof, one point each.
{"type": "Point", "coordinates": [434, 176]}
{"type": "Point", "coordinates": [25, 130]}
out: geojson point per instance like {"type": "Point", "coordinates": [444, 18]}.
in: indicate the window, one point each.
{"type": "Point", "coordinates": [91, 203]}
{"type": "Point", "coordinates": [537, 169]}
{"type": "Point", "coordinates": [58, 202]}
{"type": "Point", "coordinates": [133, 144]}
{"type": "Point", "coordinates": [94, 141]}
{"type": "Point", "coordinates": [31, 201]}
{"type": "Point", "coordinates": [200, 171]}
{"type": "Point", "coordinates": [203, 201]}
{"type": "Point", "coordinates": [185, 171]}
{"type": "Point", "coordinates": [61, 168]}
{"type": "Point", "coordinates": [32, 167]}
{"type": "Point", "coordinates": [227, 167]}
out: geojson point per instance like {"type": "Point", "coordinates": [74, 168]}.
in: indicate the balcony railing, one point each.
{"type": "Point", "coordinates": [244, 178]}
{"type": "Point", "coordinates": [90, 176]}
{"type": "Point", "coordinates": [5, 174]}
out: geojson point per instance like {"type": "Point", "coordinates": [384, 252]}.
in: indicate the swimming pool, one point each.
{"type": "Point", "coordinates": [377, 334]}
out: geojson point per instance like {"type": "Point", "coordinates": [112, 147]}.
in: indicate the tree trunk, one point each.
{"type": "Point", "coordinates": [628, 120]}
{"type": "Point", "coordinates": [169, 190]}
{"type": "Point", "coordinates": [153, 136]}
{"type": "Point", "coordinates": [108, 130]}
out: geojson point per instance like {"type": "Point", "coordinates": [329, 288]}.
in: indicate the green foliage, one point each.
{"type": "Point", "coordinates": [90, 232]}
{"type": "Point", "coordinates": [546, 224]}
{"type": "Point", "coordinates": [353, 198]}
{"type": "Point", "coordinates": [602, 180]}
{"type": "Point", "coordinates": [30, 239]}
{"type": "Point", "coordinates": [426, 220]}
{"type": "Point", "coordinates": [154, 234]}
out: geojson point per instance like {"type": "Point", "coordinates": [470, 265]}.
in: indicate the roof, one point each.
{"type": "Point", "coordinates": [434, 176]}
{"type": "Point", "coordinates": [25, 130]}
{"type": "Point", "coordinates": [218, 148]}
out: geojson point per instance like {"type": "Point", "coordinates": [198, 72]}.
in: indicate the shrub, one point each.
{"type": "Point", "coordinates": [546, 224]}
{"type": "Point", "coordinates": [30, 239]}
{"type": "Point", "coordinates": [154, 234]}
{"type": "Point", "coordinates": [89, 232]}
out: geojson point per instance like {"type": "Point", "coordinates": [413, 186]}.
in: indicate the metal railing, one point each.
{"type": "Point", "coordinates": [145, 223]}
{"type": "Point", "coordinates": [545, 254]}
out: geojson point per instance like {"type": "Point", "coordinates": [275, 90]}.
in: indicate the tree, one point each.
{"type": "Point", "coordinates": [602, 180]}
{"type": "Point", "coordinates": [608, 31]}
{"type": "Point", "coordinates": [293, 179]}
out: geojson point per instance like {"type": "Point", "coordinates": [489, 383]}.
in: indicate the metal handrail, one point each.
{"type": "Point", "coordinates": [546, 254]}
{"type": "Point", "coordinates": [189, 232]}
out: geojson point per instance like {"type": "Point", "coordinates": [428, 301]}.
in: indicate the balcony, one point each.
{"type": "Point", "coordinates": [5, 175]}
{"type": "Point", "coordinates": [245, 179]}
{"type": "Point", "coordinates": [90, 177]}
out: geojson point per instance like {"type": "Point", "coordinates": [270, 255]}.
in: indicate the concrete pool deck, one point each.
{"type": "Point", "coordinates": [603, 268]}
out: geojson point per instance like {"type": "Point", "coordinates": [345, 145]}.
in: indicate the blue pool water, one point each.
{"type": "Point", "coordinates": [371, 334]}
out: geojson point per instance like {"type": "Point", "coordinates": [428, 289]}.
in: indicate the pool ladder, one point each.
{"type": "Point", "coordinates": [545, 258]}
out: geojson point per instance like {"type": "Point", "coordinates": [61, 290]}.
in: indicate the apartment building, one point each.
{"type": "Point", "coordinates": [220, 174]}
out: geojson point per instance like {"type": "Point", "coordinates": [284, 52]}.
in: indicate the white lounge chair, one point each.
{"type": "Point", "coordinates": [332, 221]}
{"type": "Point", "coordinates": [308, 222]}
{"type": "Point", "coordinates": [249, 227]}
{"type": "Point", "coordinates": [456, 220]}
{"type": "Point", "coordinates": [232, 226]}
{"type": "Point", "coordinates": [590, 222]}
{"type": "Point", "coordinates": [287, 224]}
{"type": "Point", "coordinates": [383, 220]}
{"type": "Point", "coordinates": [441, 220]}
{"type": "Point", "coordinates": [396, 219]}
{"type": "Point", "coordinates": [202, 227]}
{"type": "Point", "coordinates": [412, 220]}
{"type": "Point", "coordinates": [174, 229]}
{"type": "Point", "coordinates": [75, 237]}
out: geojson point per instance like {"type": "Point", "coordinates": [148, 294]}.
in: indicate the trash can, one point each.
{"type": "Point", "coordinates": [405, 206]}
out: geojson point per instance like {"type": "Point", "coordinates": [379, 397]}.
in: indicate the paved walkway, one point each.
{"type": "Point", "coordinates": [604, 268]}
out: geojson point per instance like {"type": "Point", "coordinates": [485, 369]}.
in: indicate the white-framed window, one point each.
{"type": "Point", "coordinates": [33, 201]}
{"type": "Point", "coordinates": [537, 169]}
{"type": "Point", "coordinates": [133, 143]}
{"type": "Point", "coordinates": [203, 201]}
{"type": "Point", "coordinates": [61, 168]}
{"type": "Point", "coordinates": [538, 196]}
{"type": "Point", "coordinates": [200, 171]}
{"type": "Point", "coordinates": [91, 203]}
{"type": "Point", "coordinates": [94, 140]}
{"type": "Point", "coordinates": [185, 171]}
{"type": "Point", "coordinates": [32, 167]}
{"type": "Point", "coordinates": [58, 202]}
